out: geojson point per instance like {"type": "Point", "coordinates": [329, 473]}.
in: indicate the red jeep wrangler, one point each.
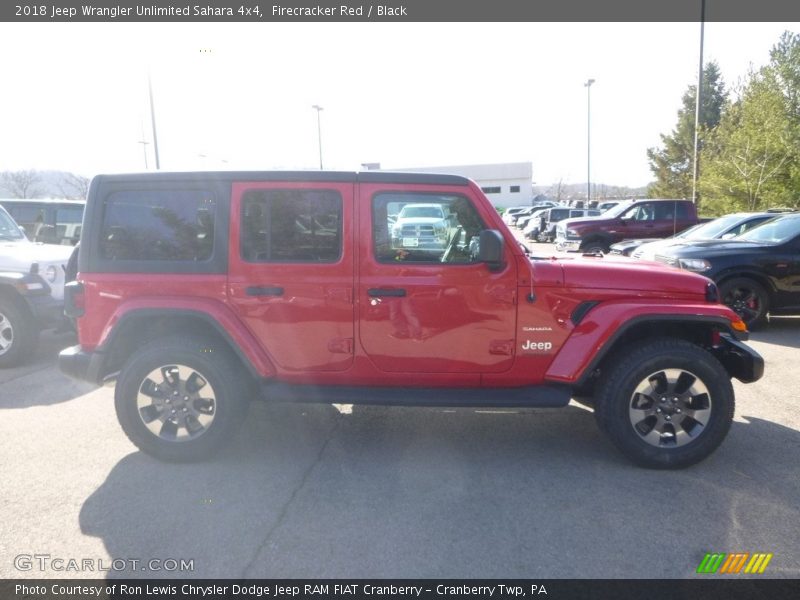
{"type": "Point", "coordinates": [200, 291]}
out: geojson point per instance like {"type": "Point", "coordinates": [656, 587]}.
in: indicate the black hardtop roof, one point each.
{"type": "Point", "coordinates": [315, 176]}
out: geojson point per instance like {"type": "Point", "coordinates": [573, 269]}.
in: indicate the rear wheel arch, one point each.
{"type": "Point", "coordinates": [182, 398]}
{"type": "Point", "coordinates": [139, 327]}
{"type": "Point", "coordinates": [759, 278]}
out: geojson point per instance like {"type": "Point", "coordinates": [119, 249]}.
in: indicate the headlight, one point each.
{"type": "Point", "coordinates": [51, 273]}
{"type": "Point", "coordinates": [694, 264]}
{"type": "Point", "coordinates": [572, 233]}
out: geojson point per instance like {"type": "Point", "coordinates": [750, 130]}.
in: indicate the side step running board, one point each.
{"type": "Point", "coordinates": [542, 396]}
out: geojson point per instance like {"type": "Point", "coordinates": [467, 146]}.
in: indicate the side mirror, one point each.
{"type": "Point", "coordinates": [728, 236]}
{"type": "Point", "coordinates": [491, 249]}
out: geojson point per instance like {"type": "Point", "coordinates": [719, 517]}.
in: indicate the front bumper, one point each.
{"type": "Point", "coordinates": [79, 364]}
{"type": "Point", "coordinates": [565, 245]}
{"type": "Point", "coordinates": [47, 311]}
{"type": "Point", "coordinates": [739, 359]}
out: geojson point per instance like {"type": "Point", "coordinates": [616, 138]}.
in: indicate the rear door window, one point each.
{"type": "Point", "coordinates": [291, 226]}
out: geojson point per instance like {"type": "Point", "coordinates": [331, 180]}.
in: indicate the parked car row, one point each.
{"type": "Point", "coordinates": [753, 258]}
{"type": "Point", "coordinates": [512, 216]}
{"type": "Point", "coordinates": [538, 221]}
{"type": "Point", "coordinates": [542, 228]}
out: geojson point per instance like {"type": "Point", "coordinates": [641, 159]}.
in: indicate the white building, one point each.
{"type": "Point", "coordinates": [505, 184]}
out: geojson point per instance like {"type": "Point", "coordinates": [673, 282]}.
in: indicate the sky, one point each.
{"type": "Point", "coordinates": [240, 95]}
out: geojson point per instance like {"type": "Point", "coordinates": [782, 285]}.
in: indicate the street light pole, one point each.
{"type": "Point", "coordinates": [153, 118]}
{"type": "Point", "coordinates": [588, 86]}
{"type": "Point", "coordinates": [318, 108]}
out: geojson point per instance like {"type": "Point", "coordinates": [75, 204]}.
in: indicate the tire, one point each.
{"type": "Point", "coordinates": [747, 298]}
{"type": "Point", "coordinates": [201, 384]}
{"type": "Point", "coordinates": [665, 403]}
{"type": "Point", "coordinates": [18, 333]}
{"type": "Point", "coordinates": [595, 248]}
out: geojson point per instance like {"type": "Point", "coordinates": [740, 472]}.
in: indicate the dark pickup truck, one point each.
{"type": "Point", "coordinates": [647, 218]}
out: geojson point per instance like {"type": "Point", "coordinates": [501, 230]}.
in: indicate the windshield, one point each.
{"type": "Point", "coordinates": [8, 228]}
{"type": "Point", "coordinates": [415, 212]}
{"type": "Point", "coordinates": [713, 228]}
{"type": "Point", "coordinates": [774, 231]}
{"type": "Point", "coordinates": [617, 210]}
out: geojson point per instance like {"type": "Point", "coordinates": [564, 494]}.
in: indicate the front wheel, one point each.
{"type": "Point", "coordinates": [181, 399]}
{"type": "Point", "coordinates": [595, 248]}
{"type": "Point", "coordinates": [666, 403]}
{"type": "Point", "coordinates": [18, 333]}
{"type": "Point", "coordinates": [747, 298]}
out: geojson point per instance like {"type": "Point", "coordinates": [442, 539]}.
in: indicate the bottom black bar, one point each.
{"type": "Point", "coordinates": [709, 586]}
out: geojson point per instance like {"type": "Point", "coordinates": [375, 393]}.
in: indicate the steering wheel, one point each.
{"type": "Point", "coordinates": [452, 245]}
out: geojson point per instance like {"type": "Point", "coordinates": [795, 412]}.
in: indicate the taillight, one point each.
{"type": "Point", "coordinates": [74, 300]}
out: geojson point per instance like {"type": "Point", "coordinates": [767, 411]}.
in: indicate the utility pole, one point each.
{"type": "Point", "coordinates": [588, 86]}
{"type": "Point", "coordinates": [318, 108]}
{"type": "Point", "coordinates": [144, 144]}
{"type": "Point", "coordinates": [698, 104]}
{"type": "Point", "coordinates": [153, 118]}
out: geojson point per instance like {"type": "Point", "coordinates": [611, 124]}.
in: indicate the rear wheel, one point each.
{"type": "Point", "coordinates": [667, 404]}
{"type": "Point", "coordinates": [181, 399]}
{"type": "Point", "coordinates": [747, 298]}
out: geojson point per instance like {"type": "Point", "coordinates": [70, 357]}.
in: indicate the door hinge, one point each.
{"type": "Point", "coordinates": [341, 346]}
{"type": "Point", "coordinates": [501, 347]}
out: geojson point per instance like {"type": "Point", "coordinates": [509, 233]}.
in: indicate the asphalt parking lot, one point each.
{"type": "Point", "coordinates": [316, 491]}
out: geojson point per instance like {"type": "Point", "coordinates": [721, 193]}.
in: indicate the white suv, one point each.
{"type": "Point", "coordinates": [31, 290]}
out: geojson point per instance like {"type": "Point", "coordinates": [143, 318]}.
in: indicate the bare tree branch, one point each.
{"type": "Point", "coordinates": [74, 187]}
{"type": "Point", "coordinates": [22, 184]}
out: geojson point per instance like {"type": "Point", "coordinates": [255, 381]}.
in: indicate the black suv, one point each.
{"type": "Point", "coordinates": [758, 272]}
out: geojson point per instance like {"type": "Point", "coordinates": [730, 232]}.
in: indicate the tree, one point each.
{"type": "Point", "coordinates": [745, 158]}
{"type": "Point", "coordinates": [785, 63]}
{"type": "Point", "coordinates": [74, 187]}
{"type": "Point", "coordinates": [673, 164]}
{"type": "Point", "coordinates": [752, 160]}
{"type": "Point", "coordinates": [22, 184]}
{"type": "Point", "coordinates": [556, 190]}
